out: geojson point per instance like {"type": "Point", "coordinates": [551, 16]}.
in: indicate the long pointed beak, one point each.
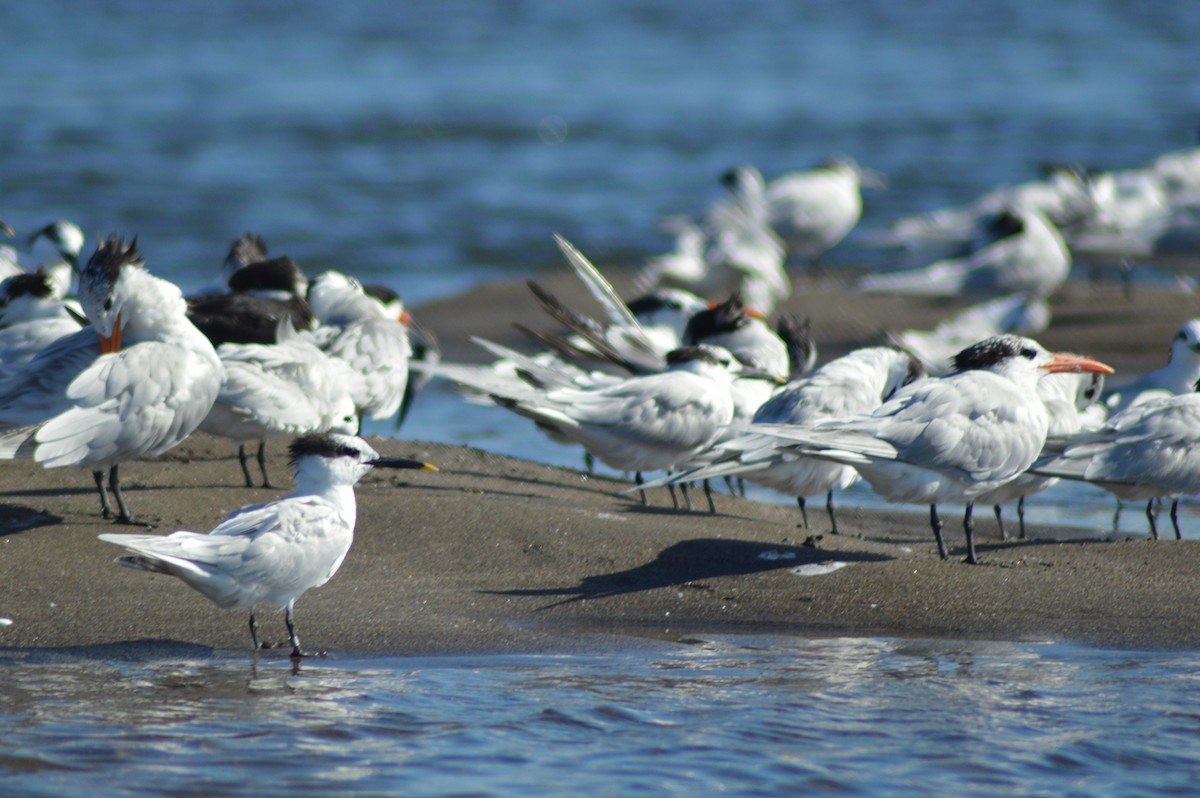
{"type": "Point", "coordinates": [8, 231]}
{"type": "Point", "coordinates": [400, 462]}
{"type": "Point", "coordinates": [1074, 364]}
{"type": "Point", "coordinates": [871, 178]}
{"type": "Point", "coordinates": [112, 343]}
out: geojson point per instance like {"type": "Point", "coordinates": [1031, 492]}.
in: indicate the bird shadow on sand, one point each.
{"type": "Point", "coordinates": [14, 519]}
{"type": "Point", "coordinates": [689, 562]}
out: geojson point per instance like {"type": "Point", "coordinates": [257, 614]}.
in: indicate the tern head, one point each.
{"type": "Point", "coordinates": [720, 319]}
{"type": "Point", "coordinates": [65, 241]}
{"type": "Point", "coordinates": [867, 178]}
{"type": "Point", "coordinates": [390, 303]}
{"type": "Point", "coordinates": [332, 458]}
{"type": "Point", "coordinates": [796, 332]}
{"type": "Point", "coordinates": [339, 299]}
{"type": "Point", "coordinates": [99, 287]}
{"type": "Point", "coordinates": [1186, 342]}
{"type": "Point", "coordinates": [1014, 355]}
{"type": "Point", "coordinates": [249, 248]}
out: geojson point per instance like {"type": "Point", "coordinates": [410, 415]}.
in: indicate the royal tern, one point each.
{"type": "Point", "coordinates": [1178, 376]}
{"type": "Point", "coordinates": [1066, 195]}
{"type": "Point", "coordinates": [1072, 406]}
{"type": "Point", "coordinates": [53, 249]}
{"type": "Point", "coordinates": [741, 239]}
{"type": "Point", "coordinates": [951, 438]}
{"type": "Point", "coordinates": [272, 553]}
{"type": "Point", "coordinates": [135, 383]}
{"type": "Point", "coordinates": [850, 385]}
{"type": "Point", "coordinates": [287, 389]}
{"type": "Point", "coordinates": [740, 328]}
{"type": "Point", "coordinates": [813, 210]}
{"type": "Point", "coordinates": [1015, 314]}
{"type": "Point", "coordinates": [356, 329]}
{"type": "Point", "coordinates": [1147, 452]}
{"type": "Point", "coordinates": [1019, 251]}
{"type": "Point", "coordinates": [647, 423]}
{"type": "Point", "coordinates": [32, 318]}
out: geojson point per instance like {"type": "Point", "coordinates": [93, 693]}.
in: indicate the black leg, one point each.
{"type": "Point", "coordinates": [1117, 516]}
{"type": "Point", "coordinates": [674, 498]}
{"type": "Point", "coordinates": [293, 638]}
{"type": "Point", "coordinates": [589, 462]}
{"type": "Point", "coordinates": [687, 497]}
{"type": "Point", "coordinates": [1021, 515]}
{"type": "Point", "coordinates": [741, 483]}
{"type": "Point", "coordinates": [114, 484]}
{"type": "Point", "coordinates": [729, 486]}
{"type": "Point", "coordinates": [969, 529]}
{"type": "Point", "coordinates": [262, 463]}
{"type": "Point", "coordinates": [829, 509]}
{"type": "Point", "coordinates": [803, 510]}
{"type": "Point", "coordinates": [1000, 521]}
{"type": "Point", "coordinates": [253, 629]}
{"type": "Point", "coordinates": [105, 507]}
{"type": "Point", "coordinates": [1152, 517]}
{"type": "Point", "coordinates": [1175, 518]}
{"type": "Point", "coordinates": [637, 479]}
{"type": "Point", "coordinates": [243, 461]}
{"type": "Point", "coordinates": [712, 506]}
{"type": "Point", "coordinates": [936, 523]}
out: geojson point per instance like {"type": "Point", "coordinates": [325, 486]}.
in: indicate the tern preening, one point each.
{"type": "Point", "coordinates": [951, 438]}
{"type": "Point", "coordinates": [272, 553]}
{"type": "Point", "coordinates": [134, 384]}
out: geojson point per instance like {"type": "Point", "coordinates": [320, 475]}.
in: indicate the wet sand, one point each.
{"type": "Point", "coordinates": [494, 554]}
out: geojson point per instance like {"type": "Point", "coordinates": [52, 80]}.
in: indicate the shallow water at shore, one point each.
{"type": "Point", "coordinates": [738, 715]}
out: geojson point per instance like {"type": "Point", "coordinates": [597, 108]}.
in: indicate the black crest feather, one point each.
{"type": "Point", "coordinates": [111, 255]}
{"type": "Point", "coordinates": [319, 445]}
{"type": "Point", "coordinates": [988, 352]}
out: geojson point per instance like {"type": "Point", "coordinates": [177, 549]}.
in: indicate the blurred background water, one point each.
{"type": "Point", "coordinates": [434, 144]}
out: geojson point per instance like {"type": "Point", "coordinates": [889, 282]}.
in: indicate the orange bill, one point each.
{"type": "Point", "coordinates": [1074, 364]}
{"type": "Point", "coordinates": [112, 343]}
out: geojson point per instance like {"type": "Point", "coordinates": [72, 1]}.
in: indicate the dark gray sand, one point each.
{"type": "Point", "coordinates": [494, 554]}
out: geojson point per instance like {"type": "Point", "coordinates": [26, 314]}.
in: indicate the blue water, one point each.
{"type": "Point", "coordinates": [744, 716]}
{"type": "Point", "coordinates": [434, 144]}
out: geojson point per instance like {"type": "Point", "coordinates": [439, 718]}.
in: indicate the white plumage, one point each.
{"type": "Point", "coordinates": [951, 438]}
{"type": "Point", "coordinates": [134, 384]}
{"type": "Point", "coordinates": [272, 553]}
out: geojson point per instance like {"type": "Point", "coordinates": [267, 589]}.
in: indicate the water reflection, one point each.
{"type": "Point", "coordinates": [854, 714]}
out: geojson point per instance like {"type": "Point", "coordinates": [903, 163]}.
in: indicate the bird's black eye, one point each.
{"type": "Point", "coordinates": [1182, 335]}
{"type": "Point", "coordinates": [1028, 353]}
{"type": "Point", "coordinates": [108, 304]}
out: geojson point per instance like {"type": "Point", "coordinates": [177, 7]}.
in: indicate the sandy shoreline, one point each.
{"type": "Point", "coordinates": [494, 554]}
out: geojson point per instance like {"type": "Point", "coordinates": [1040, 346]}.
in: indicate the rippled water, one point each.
{"type": "Point", "coordinates": [745, 716]}
{"type": "Point", "coordinates": [437, 143]}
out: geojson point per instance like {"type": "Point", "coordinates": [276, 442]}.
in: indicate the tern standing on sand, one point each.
{"type": "Point", "coordinates": [134, 384]}
{"type": "Point", "coordinates": [272, 553]}
{"type": "Point", "coordinates": [952, 438]}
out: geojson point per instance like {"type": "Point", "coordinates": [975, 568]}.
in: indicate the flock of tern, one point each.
{"type": "Point", "coordinates": [690, 380]}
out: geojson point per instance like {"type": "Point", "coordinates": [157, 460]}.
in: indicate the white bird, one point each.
{"type": "Point", "coordinates": [1149, 451]}
{"type": "Point", "coordinates": [684, 264]}
{"type": "Point", "coordinates": [272, 553]}
{"type": "Point", "coordinates": [356, 329]}
{"type": "Point", "coordinates": [53, 249]}
{"type": "Point", "coordinates": [1073, 405]}
{"type": "Point", "coordinates": [646, 423]}
{"type": "Point", "coordinates": [135, 383]}
{"type": "Point", "coordinates": [1015, 314]}
{"type": "Point", "coordinates": [851, 385]}
{"type": "Point", "coordinates": [1067, 196]}
{"type": "Point", "coordinates": [287, 389]}
{"type": "Point", "coordinates": [1019, 252]}
{"type": "Point", "coordinates": [813, 210]}
{"type": "Point", "coordinates": [951, 438]}
{"type": "Point", "coordinates": [32, 318]}
{"type": "Point", "coordinates": [741, 239]}
{"type": "Point", "coordinates": [1178, 376]}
